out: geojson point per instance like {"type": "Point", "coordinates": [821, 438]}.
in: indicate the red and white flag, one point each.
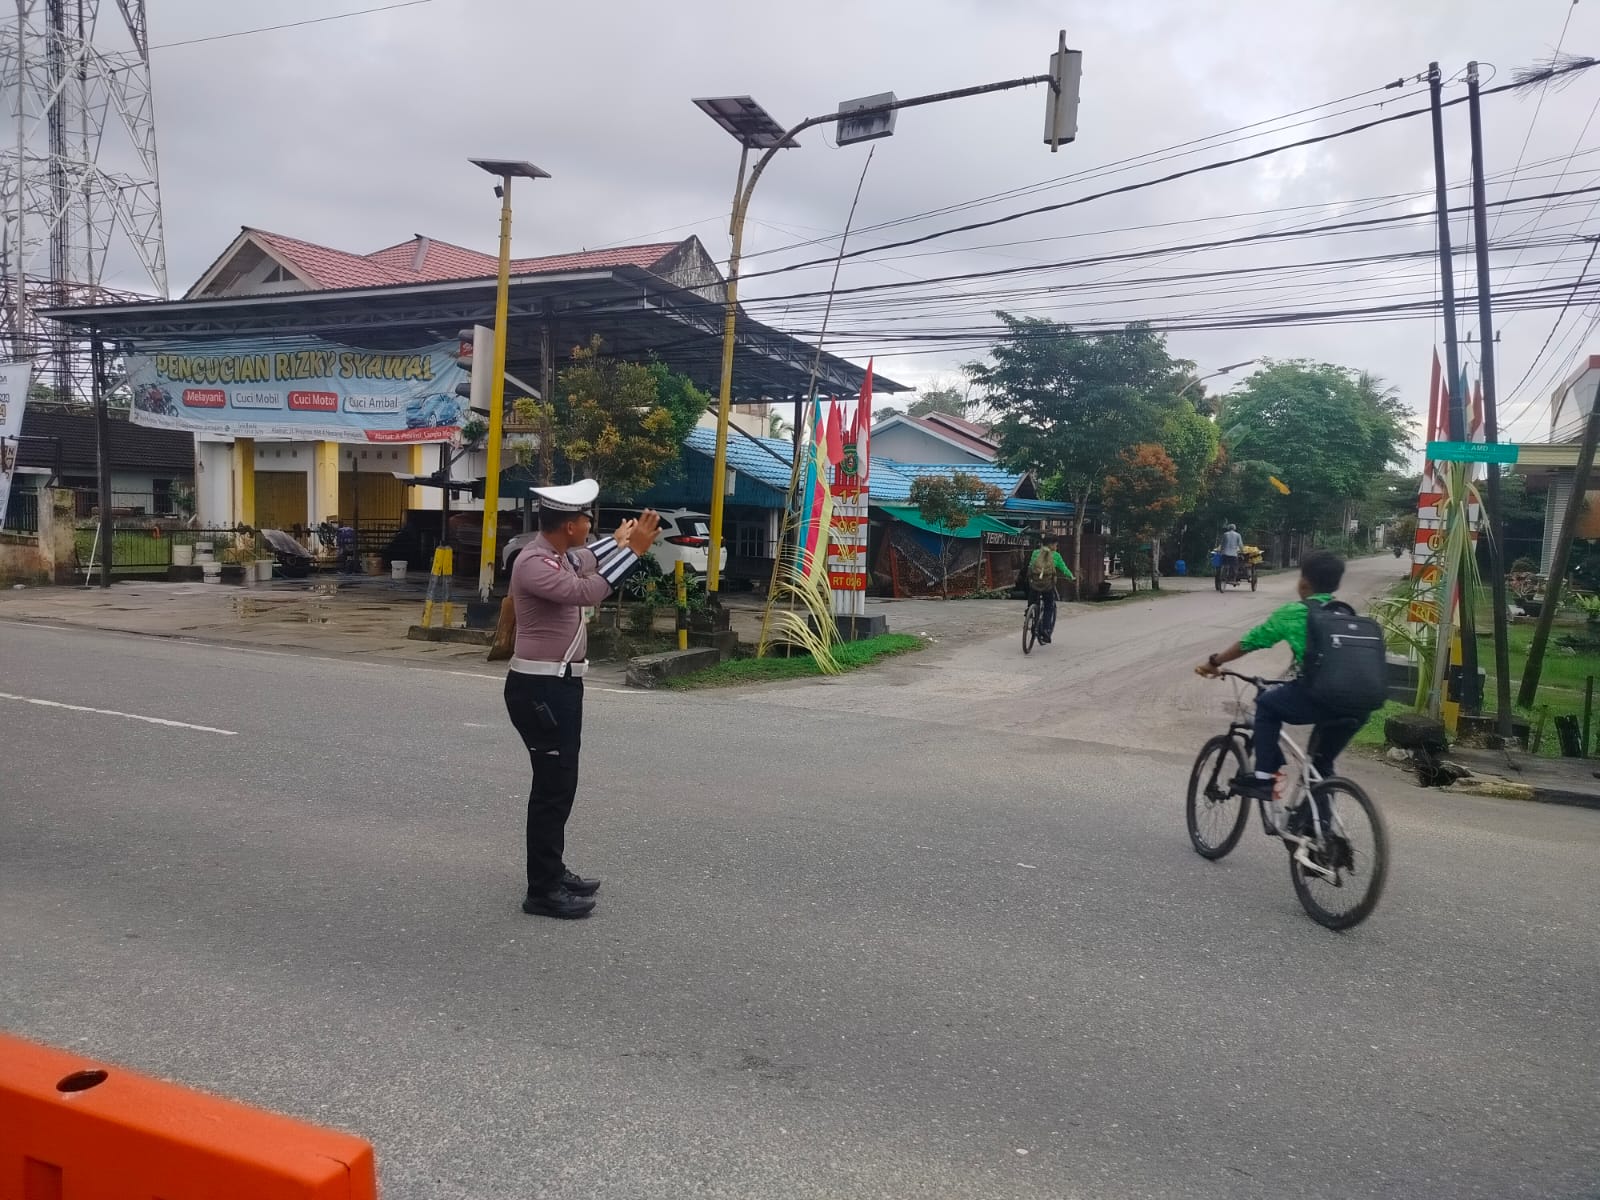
{"type": "Point", "coordinates": [864, 426]}
{"type": "Point", "coordinates": [1438, 406]}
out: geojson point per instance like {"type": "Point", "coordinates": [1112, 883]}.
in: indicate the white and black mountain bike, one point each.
{"type": "Point", "coordinates": [1339, 854]}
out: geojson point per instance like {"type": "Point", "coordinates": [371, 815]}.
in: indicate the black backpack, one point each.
{"type": "Point", "coordinates": [1346, 665]}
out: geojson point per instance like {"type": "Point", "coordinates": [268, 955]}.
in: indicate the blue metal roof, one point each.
{"type": "Point", "coordinates": [1039, 508]}
{"type": "Point", "coordinates": [765, 464]}
{"type": "Point", "coordinates": [769, 460]}
{"type": "Point", "coordinates": [891, 480]}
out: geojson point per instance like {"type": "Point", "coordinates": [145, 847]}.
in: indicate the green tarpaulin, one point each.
{"type": "Point", "coordinates": [974, 528]}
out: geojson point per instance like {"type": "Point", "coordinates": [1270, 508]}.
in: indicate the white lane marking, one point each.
{"type": "Point", "coordinates": [201, 644]}
{"type": "Point", "coordinates": [111, 712]}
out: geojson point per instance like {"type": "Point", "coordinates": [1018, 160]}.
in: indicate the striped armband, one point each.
{"type": "Point", "coordinates": [612, 561]}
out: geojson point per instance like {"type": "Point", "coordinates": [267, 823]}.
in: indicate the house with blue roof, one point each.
{"type": "Point", "coordinates": [906, 554]}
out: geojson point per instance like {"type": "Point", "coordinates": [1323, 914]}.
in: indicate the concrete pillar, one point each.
{"type": "Point", "coordinates": [213, 485]}
{"type": "Point", "coordinates": [244, 481]}
{"type": "Point", "coordinates": [325, 481]}
{"type": "Point", "coordinates": [57, 514]}
{"type": "Point", "coordinates": [1555, 513]}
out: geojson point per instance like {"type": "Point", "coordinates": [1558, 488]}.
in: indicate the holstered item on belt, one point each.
{"type": "Point", "coordinates": [505, 632]}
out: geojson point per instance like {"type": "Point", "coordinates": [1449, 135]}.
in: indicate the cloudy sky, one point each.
{"type": "Point", "coordinates": [355, 133]}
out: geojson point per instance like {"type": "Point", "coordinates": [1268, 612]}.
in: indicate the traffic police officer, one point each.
{"type": "Point", "coordinates": [556, 576]}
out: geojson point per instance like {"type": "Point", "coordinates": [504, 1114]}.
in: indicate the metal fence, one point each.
{"type": "Point", "coordinates": [22, 512]}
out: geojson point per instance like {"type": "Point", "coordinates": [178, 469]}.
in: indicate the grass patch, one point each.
{"type": "Point", "coordinates": [851, 656]}
{"type": "Point", "coordinates": [1370, 736]}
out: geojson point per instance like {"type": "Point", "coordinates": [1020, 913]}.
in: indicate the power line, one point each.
{"type": "Point", "coordinates": [239, 33]}
{"type": "Point", "coordinates": [1363, 224]}
{"type": "Point", "coordinates": [1118, 166]}
{"type": "Point", "coordinates": [1533, 366]}
{"type": "Point", "coordinates": [1580, 65]}
{"type": "Point", "coordinates": [1538, 108]}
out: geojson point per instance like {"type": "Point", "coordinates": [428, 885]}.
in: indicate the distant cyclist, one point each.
{"type": "Point", "coordinates": [1045, 570]}
{"type": "Point", "coordinates": [1232, 544]}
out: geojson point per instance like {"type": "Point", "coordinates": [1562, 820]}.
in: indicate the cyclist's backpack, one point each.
{"type": "Point", "coordinates": [1346, 666]}
{"type": "Point", "coordinates": [1042, 572]}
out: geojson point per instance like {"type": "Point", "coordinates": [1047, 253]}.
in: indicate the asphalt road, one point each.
{"type": "Point", "coordinates": [934, 931]}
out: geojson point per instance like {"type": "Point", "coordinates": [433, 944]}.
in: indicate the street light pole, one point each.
{"type": "Point", "coordinates": [745, 119]}
{"type": "Point", "coordinates": [505, 170]}
{"type": "Point", "coordinates": [1196, 382]}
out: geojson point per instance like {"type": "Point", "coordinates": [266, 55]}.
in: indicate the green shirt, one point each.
{"type": "Point", "coordinates": [1287, 624]}
{"type": "Point", "coordinates": [1061, 567]}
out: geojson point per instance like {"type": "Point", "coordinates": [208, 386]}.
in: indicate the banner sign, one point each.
{"type": "Point", "coordinates": [13, 399]}
{"type": "Point", "coordinates": [847, 541]}
{"type": "Point", "coordinates": [300, 388]}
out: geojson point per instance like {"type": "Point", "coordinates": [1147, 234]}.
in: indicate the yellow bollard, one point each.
{"type": "Point", "coordinates": [683, 605]}
{"type": "Point", "coordinates": [448, 573]}
{"type": "Point", "coordinates": [1450, 709]}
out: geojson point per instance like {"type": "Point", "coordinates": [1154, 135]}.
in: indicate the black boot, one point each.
{"type": "Point", "coordinates": [558, 903]}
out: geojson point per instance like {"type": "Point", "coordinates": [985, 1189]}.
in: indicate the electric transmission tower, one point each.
{"type": "Point", "coordinates": [78, 179]}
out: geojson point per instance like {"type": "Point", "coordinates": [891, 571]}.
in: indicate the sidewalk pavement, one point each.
{"type": "Point", "coordinates": [1551, 780]}
{"type": "Point", "coordinates": [367, 618]}
{"type": "Point", "coordinates": [356, 618]}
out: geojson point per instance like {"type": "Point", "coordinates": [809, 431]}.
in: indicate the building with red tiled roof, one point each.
{"type": "Point", "coordinates": [258, 262]}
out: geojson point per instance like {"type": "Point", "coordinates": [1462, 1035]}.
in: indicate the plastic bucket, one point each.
{"type": "Point", "coordinates": [1216, 558]}
{"type": "Point", "coordinates": [211, 572]}
{"type": "Point", "coordinates": [182, 556]}
{"type": "Point", "coordinates": [397, 569]}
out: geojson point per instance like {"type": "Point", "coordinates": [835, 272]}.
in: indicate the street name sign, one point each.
{"type": "Point", "coordinates": [1500, 452]}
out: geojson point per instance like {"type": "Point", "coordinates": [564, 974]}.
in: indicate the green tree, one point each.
{"type": "Point", "coordinates": [939, 398]}
{"type": "Point", "coordinates": [1328, 432]}
{"type": "Point", "coordinates": [1069, 404]}
{"type": "Point", "coordinates": [679, 396]}
{"type": "Point", "coordinates": [609, 421]}
{"type": "Point", "coordinates": [948, 503]}
{"type": "Point", "coordinates": [1142, 496]}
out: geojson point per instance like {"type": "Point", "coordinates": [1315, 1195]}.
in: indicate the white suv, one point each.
{"type": "Point", "coordinates": [684, 536]}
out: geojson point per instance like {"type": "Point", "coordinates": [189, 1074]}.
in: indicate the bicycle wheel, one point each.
{"type": "Point", "coordinates": [1215, 815]}
{"type": "Point", "coordinates": [1252, 580]}
{"type": "Point", "coordinates": [1355, 849]}
{"type": "Point", "coordinates": [1217, 578]}
{"type": "Point", "coordinates": [1030, 628]}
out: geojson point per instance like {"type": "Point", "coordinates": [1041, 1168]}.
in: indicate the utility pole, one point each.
{"type": "Point", "coordinates": [1491, 421]}
{"type": "Point", "coordinates": [1457, 407]}
{"type": "Point", "coordinates": [102, 431]}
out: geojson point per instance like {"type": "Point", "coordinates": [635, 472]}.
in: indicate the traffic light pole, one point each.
{"type": "Point", "coordinates": [741, 206]}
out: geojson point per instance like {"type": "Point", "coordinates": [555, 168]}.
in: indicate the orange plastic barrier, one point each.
{"type": "Point", "coordinates": [71, 1129]}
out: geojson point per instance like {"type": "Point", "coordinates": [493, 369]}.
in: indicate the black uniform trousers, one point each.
{"type": "Point", "coordinates": [553, 753]}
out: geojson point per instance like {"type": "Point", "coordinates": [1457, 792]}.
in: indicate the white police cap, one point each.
{"type": "Point", "coordinates": [570, 497]}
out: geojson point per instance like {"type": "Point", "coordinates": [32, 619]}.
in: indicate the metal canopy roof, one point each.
{"type": "Point", "coordinates": [635, 312]}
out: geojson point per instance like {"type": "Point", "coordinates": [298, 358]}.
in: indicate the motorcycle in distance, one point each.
{"type": "Point", "coordinates": [341, 539]}
{"type": "Point", "coordinates": [294, 560]}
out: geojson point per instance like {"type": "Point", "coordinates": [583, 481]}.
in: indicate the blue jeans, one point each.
{"type": "Point", "coordinates": [1288, 704]}
{"type": "Point", "coordinates": [1047, 612]}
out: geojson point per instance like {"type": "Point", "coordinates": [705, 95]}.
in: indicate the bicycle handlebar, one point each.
{"type": "Point", "coordinates": [1255, 681]}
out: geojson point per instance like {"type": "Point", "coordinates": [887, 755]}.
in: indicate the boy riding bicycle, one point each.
{"type": "Point", "coordinates": [1045, 570]}
{"type": "Point", "coordinates": [1291, 703]}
